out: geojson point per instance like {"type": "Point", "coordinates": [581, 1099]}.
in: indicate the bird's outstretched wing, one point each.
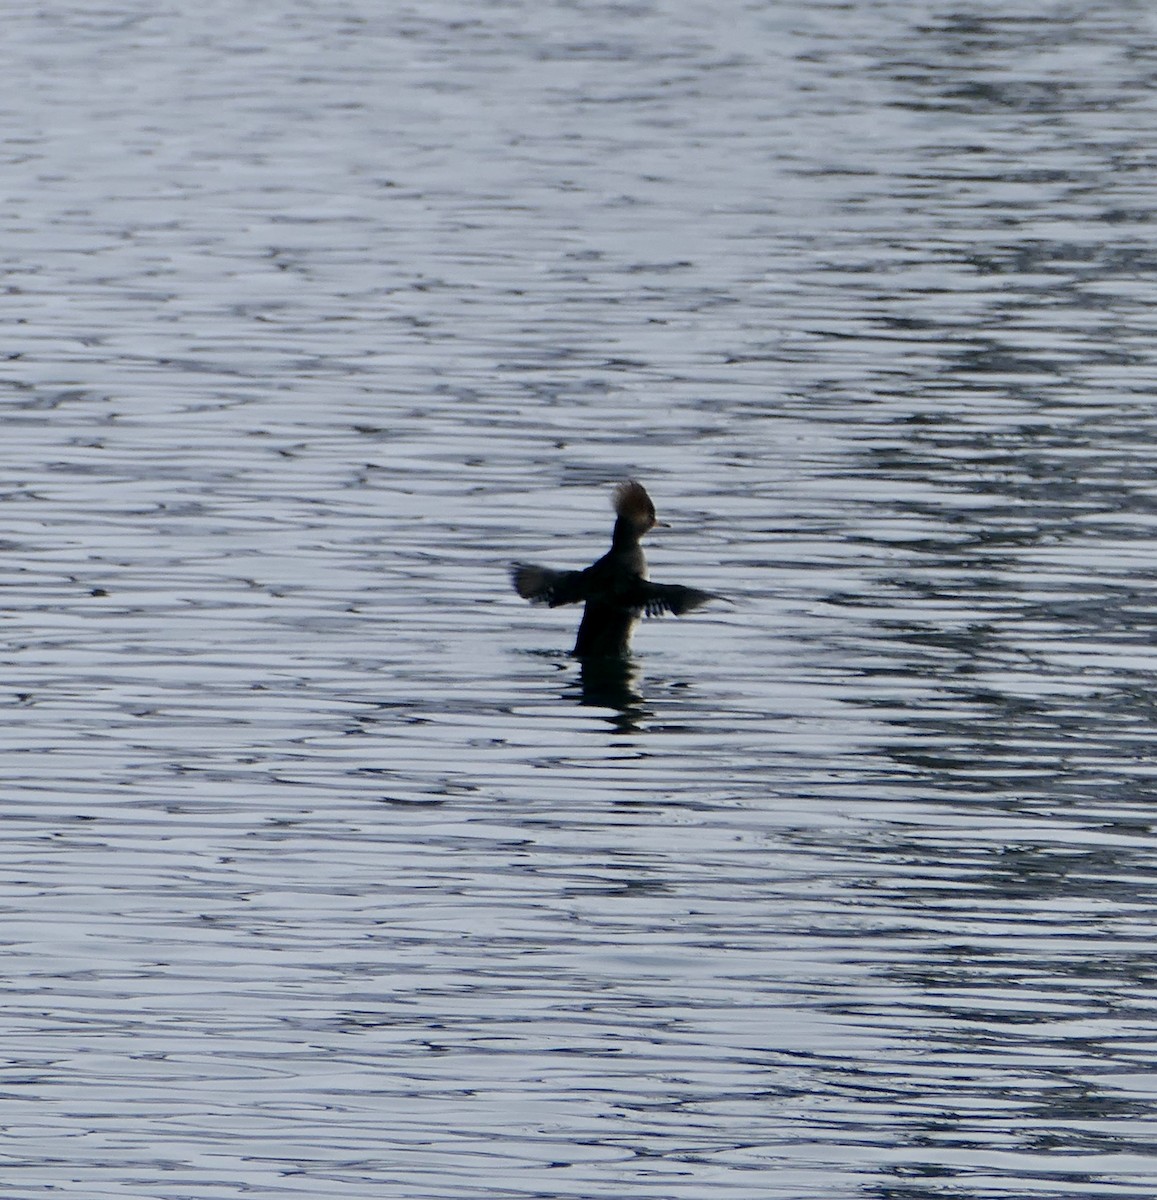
{"type": "Point", "coordinates": [543, 585]}
{"type": "Point", "coordinates": [655, 599]}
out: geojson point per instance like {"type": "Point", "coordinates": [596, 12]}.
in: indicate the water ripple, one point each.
{"type": "Point", "coordinates": [326, 871]}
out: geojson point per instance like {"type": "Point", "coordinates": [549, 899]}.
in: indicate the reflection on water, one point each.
{"type": "Point", "coordinates": [324, 871]}
{"type": "Point", "coordinates": [613, 683]}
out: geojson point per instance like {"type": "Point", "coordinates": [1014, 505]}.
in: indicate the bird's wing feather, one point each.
{"type": "Point", "coordinates": [659, 598]}
{"type": "Point", "coordinates": [544, 585]}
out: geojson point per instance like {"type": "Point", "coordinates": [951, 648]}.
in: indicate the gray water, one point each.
{"type": "Point", "coordinates": [325, 873]}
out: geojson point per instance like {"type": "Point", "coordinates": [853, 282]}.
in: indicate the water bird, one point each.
{"type": "Point", "coordinates": [616, 589]}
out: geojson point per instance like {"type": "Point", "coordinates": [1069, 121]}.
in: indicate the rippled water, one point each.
{"type": "Point", "coordinates": [325, 872]}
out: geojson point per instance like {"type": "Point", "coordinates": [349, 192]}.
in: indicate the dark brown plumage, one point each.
{"type": "Point", "coordinates": [615, 590]}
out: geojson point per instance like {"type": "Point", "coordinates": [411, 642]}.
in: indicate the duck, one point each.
{"type": "Point", "coordinates": [616, 590]}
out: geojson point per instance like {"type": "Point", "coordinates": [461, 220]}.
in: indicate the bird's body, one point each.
{"type": "Point", "coordinates": [616, 589]}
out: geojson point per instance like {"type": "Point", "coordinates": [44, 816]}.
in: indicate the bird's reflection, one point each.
{"type": "Point", "coordinates": [612, 683]}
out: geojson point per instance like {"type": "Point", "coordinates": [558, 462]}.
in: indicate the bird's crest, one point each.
{"type": "Point", "coordinates": [634, 505]}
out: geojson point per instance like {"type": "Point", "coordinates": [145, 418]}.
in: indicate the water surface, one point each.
{"type": "Point", "coordinates": [324, 871]}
